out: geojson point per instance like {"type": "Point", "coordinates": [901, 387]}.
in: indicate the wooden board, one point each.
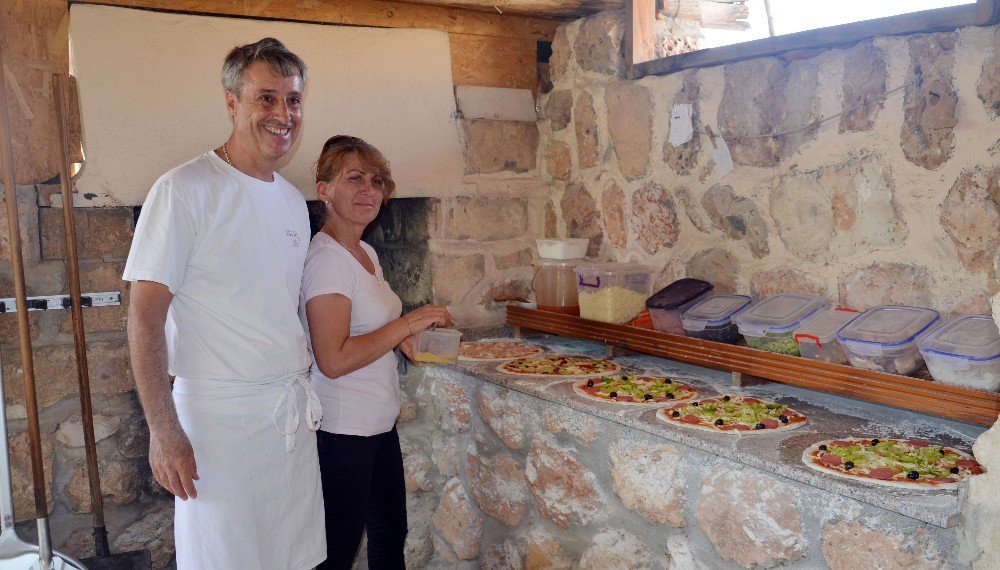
{"type": "Point", "coordinates": [376, 13]}
{"type": "Point", "coordinates": [34, 39]}
{"type": "Point", "coordinates": [492, 62]}
{"type": "Point", "coordinates": [964, 404]}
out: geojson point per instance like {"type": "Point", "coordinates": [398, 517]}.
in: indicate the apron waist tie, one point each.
{"type": "Point", "coordinates": [314, 410]}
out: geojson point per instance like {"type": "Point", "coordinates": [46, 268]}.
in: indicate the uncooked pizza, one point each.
{"type": "Point", "coordinates": [733, 414]}
{"type": "Point", "coordinates": [484, 350]}
{"type": "Point", "coordinates": [634, 389]}
{"type": "Point", "coordinates": [904, 463]}
{"type": "Point", "coordinates": [559, 365]}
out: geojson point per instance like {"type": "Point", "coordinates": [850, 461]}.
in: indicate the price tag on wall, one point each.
{"type": "Point", "coordinates": [681, 127]}
{"type": "Point", "coordinates": [723, 160]}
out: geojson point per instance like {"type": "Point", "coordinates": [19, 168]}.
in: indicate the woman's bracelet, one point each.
{"type": "Point", "coordinates": [409, 325]}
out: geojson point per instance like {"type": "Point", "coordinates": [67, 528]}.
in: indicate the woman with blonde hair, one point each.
{"type": "Point", "coordinates": [354, 321]}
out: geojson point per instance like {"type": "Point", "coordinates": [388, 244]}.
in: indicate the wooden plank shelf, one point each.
{"type": "Point", "coordinates": [964, 404]}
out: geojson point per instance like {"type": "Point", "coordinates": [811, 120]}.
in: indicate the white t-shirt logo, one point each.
{"type": "Point", "coordinates": [296, 240]}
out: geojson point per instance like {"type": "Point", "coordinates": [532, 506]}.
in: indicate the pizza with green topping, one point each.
{"type": "Point", "coordinates": [634, 389]}
{"type": "Point", "coordinates": [733, 414]}
{"type": "Point", "coordinates": [903, 463]}
{"type": "Point", "coordinates": [560, 365]}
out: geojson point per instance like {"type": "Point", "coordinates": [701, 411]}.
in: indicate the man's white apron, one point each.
{"type": "Point", "coordinates": [260, 504]}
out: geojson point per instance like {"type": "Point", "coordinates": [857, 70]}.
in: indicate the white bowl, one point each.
{"type": "Point", "coordinates": [562, 248]}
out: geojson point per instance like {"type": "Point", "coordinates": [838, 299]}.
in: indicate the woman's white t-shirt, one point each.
{"type": "Point", "coordinates": [364, 402]}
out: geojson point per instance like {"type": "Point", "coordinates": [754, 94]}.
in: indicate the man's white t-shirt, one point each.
{"type": "Point", "coordinates": [231, 249]}
{"type": "Point", "coordinates": [364, 402]}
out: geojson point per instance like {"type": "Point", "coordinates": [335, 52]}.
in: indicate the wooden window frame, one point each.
{"type": "Point", "coordinates": [641, 15]}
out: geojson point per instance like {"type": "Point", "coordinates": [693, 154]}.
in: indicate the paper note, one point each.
{"type": "Point", "coordinates": [723, 160]}
{"type": "Point", "coordinates": [681, 128]}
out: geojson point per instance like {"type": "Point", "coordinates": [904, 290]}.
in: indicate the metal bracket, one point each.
{"type": "Point", "coordinates": [49, 302]}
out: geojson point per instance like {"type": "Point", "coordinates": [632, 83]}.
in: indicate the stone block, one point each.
{"type": "Point", "coordinates": [543, 552]}
{"type": "Point", "coordinates": [498, 486]}
{"type": "Point", "coordinates": [487, 218]}
{"type": "Point", "coordinates": [500, 146]}
{"type": "Point", "coordinates": [717, 266]}
{"type": "Point", "coordinates": [557, 160]}
{"type": "Point", "coordinates": [630, 124]}
{"type": "Point", "coordinates": [97, 276]}
{"type": "Point", "coordinates": [559, 421]}
{"type": "Point", "coordinates": [970, 215]}
{"type": "Point", "coordinates": [502, 415]}
{"type": "Point", "coordinates": [419, 545]}
{"type": "Point", "coordinates": [654, 218]}
{"type": "Point", "coordinates": [582, 219]}
{"type": "Point", "coordinates": [836, 211]}
{"type": "Point", "coordinates": [505, 555]}
{"type": "Point", "coordinates": [930, 111]}
{"type": "Point", "coordinates": [444, 452]}
{"type": "Point", "coordinates": [561, 55]}
{"type": "Point", "coordinates": [598, 46]}
{"type": "Point", "coordinates": [520, 258]}
{"type": "Point", "coordinates": [781, 99]}
{"type": "Point", "coordinates": [737, 217]}
{"type": "Point", "coordinates": [865, 76]}
{"type": "Point", "coordinates": [55, 371]}
{"type": "Point", "coordinates": [587, 131]}
{"type": "Point", "coordinates": [565, 492]}
{"type": "Point", "coordinates": [457, 522]}
{"type": "Point", "coordinates": [693, 209]}
{"type": "Point", "coordinates": [648, 482]}
{"type": "Point", "coordinates": [887, 283]}
{"type": "Point", "coordinates": [153, 532]}
{"type": "Point", "coordinates": [120, 484]}
{"type": "Point", "coordinates": [750, 519]}
{"type": "Point", "coordinates": [416, 469]}
{"type": "Point", "coordinates": [455, 407]}
{"type": "Point", "coordinates": [21, 479]}
{"type": "Point", "coordinates": [988, 87]}
{"type": "Point", "coordinates": [495, 298]}
{"type": "Point", "coordinates": [455, 276]}
{"type": "Point", "coordinates": [70, 432]}
{"type": "Point", "coordinates": [101, 233]}
{"type": "Point", "coordinates": [683, 159]}
{"type": "Point", "coordinates": [133, 438]}
{"type": "Point", "coordinates": [408, 409]}
{"type": "Point", "coordinates": [613, 207]}
{"type": "Point", "coordinates": [849, 545]}
{"type": "Point", "coordinates": [559, 109]}
{"type": "Point", "coordinates": [616, 550]}
{"type": "Point", "coordinates": [777, 281]}
{"type": "Point", "coordinates": [551, 220]}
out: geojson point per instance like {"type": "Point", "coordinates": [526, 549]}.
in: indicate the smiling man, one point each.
{"type": "Point", "coordinates": [215, 266]}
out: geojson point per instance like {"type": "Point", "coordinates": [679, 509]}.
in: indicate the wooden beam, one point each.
{"type": "Point", "coordinates": [987, 12]}
{"type": "Point", "coordinates": [493, 62]}
{"type": "Point", "coordinates": [941, 19]}
{"type": "Point", "coordinates": [640, 22]}
{"type": "Point", "coordinates": [374, 13]}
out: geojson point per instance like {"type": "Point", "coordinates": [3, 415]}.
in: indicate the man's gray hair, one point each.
{"type": "Point", "coordinates": [268, 50]}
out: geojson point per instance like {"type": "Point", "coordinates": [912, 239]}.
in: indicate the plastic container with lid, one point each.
{"type": "Point", "coordinates": [437, 345]}
{"type": "Point", "coordinates": [562, 248]}
{"type": "Point", "coordinates": [886, 338]}
{"type": "Point", "coordinates": [668, 304]}
{"type": "Point", "coordinates": [770, 324]}
{"type": "Point", "coordinates": [965, 352]}
{"type": "Point", "coordinates": [555, 285]}
{"type": "Point", "coordinates": [712, 318]}
{"type": "Point", "coordinates": [612, 292]}
{"type": "Point", "coordinates": [817, 339]}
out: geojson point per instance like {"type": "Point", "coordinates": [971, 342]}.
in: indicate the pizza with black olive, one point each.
{"type": "Point", "coordinates": [902, 463]}
{"type": "Point", "coordinates": [634, 389]}
{"type": "Point", "coordinates": [733, 414]}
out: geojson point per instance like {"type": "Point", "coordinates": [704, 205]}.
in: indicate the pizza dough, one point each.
{"type": "Point", "coordinates": [733, 414]}
{"type": "Point", "coordinates": [634, 389]}
{"type": "Point", "coordinates": [487, 350]}
{"type": "Point", "coordinates": [558, 365]}
{"type": "Point", "coordinates": [901, 463]}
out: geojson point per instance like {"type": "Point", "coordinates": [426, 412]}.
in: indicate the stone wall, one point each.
{"type": "Point", "coordinates": [866, 174]}
{"type": "Point", "coordinates": [503, 480]}
{"type": "Point", "coordinates": [137, 511]}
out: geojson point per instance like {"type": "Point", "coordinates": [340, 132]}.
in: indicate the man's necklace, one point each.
{"type": "Point", "coordinates": [225, 155]}
{"type": "Point", "coordinates": [361, 256]}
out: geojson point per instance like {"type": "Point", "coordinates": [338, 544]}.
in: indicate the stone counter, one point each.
{"type": "Point", "coordinates": [507, 472]}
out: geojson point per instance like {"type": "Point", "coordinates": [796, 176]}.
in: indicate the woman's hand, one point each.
{"type": "Point", "coordinates": [423, 317]}
{"type": "Point", "coordinates": [406, 346]}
